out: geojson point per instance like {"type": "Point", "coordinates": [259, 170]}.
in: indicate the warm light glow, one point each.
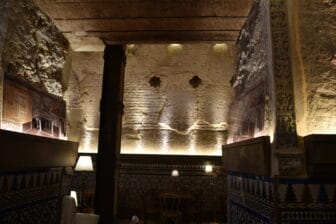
{"type": "Point", "coordinates": [130, 46]}
{"type": "Point", "coordinates": [322, 132]}
{"type": "Point", "coordinates": [168, 150]}
{"type": "Point", "coordinates": [208, 168]}
{"type": "Point", "coordinates": [220, 48]}
{"type": "Point", "coordinates": [88, 142]}
{"type": "Point", "coordinates": [73, 194]}
{"type": "Point", "coordinates": [175, 48]}
{"type": "Point", "coordinates": [175, 173]}
{"type": "Point", "coordinates": [84, 163]}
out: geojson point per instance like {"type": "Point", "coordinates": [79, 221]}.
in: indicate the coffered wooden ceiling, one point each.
{"type": "Point", "coordinates": [149, 20]}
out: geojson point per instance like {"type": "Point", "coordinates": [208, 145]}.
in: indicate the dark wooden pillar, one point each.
{"type": "Point", "coordinates": [111, 109]}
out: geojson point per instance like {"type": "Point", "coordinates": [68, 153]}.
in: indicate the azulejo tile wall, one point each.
{"type": "Point", "coordinates": [33, 197]}
{"type": "Point", "coordinates": [258, 199]}
{"type": "Point", "coordinates": [250, 199]}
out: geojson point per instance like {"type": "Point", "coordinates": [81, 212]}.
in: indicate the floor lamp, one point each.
{"type": "Point", "coordinates": [84, 165]}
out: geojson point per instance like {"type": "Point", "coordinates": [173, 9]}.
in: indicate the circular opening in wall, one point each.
{"type": "Point", "coordinates": [155, 81]}
{"type": "Point", "coordinates": [195, 81]}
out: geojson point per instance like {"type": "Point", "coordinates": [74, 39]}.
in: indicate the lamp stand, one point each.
{"type": "Point", "coordinates": [83, 178]}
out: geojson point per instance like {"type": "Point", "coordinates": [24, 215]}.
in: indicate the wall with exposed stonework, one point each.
{"type": "Point", "coordinates": [171, 116]}
{"type": "Point", "coordinates": [252, 111]}
{"type": "Point", "coordinates": [32, 48]}
{"type": "Point", "coordinates": [83, 98]}
{"type": "Point", "coordinates": [3, 31]}
{"type": "Point", "coordinates": [315, 46]}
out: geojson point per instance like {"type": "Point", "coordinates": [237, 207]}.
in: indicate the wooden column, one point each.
{"type": "Point", "coordinates": [111, 109]}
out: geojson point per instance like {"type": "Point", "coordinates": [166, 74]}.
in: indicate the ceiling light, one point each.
{"type": "Point", "coordinates": [220, 48]}
{"type": "Point", "coordinates": [175, 48]}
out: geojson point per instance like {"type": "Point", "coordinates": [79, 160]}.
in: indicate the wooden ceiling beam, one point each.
{"type": "Point", "coordinates": [83, 9]}
{"type": "Point", "coordinates": [166, 36]}
{"type": "Point", "coordinates": [142, 24]}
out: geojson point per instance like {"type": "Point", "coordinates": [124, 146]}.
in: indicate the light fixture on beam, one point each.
{"type": "Point", "coordinates": [220, 48]}
{"type": "Point", "coordinates": [175, 48]}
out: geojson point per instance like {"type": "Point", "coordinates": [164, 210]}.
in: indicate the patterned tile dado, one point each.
{"type": "Point", "coordinates": [32, 197]}
{"type": "Point", "coordinates": [250, 199]}
{"type": "Point", "coordinates": [140, 174]}
{"type": "Point", "coordinates": [255, 199]}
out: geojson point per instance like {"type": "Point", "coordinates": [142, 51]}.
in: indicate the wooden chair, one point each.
{"type": "Point", "coordinates": [193, 211]}
{"type": "Point", "coordinates": [151, 206]}
{"type": "Point", "coordinates": [170, 208]}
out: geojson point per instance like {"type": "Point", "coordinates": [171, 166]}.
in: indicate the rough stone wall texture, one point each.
{"type": "Point", "coordinates": [251, 112]}
{"type": "Point", "coordinates": [83, 98]}
{"type": "Point", "coordinates": [34, 50]}
{"type": "Point", "coordinates": [3, 25]}
{"type": "Point", "coordinates": [3, 31]}
{"type": "Point", "coordinates": [171, 116]}
{"type": "Point", "coordinates": [316, 27]}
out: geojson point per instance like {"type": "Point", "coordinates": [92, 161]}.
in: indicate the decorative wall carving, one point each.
{"type": "Point", "coordinates": [34, 50]}
{"type": "Point", "coordinates": [285, 134]}
{"type": "Point", "coordinates": [251, 112]}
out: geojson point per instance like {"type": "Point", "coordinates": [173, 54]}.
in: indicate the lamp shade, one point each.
{"type": "Point", "coordinates": [73, 194]}
{"type": "Point", "coordinates": [84, 163]}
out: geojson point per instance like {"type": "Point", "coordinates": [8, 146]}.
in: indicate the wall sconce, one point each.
{"type": "Point", "coordinates": [208, 168]}
{"type": "Point", "coordinates": [175, 173]}
{"type": "Point", "coordinates": [84, 165]}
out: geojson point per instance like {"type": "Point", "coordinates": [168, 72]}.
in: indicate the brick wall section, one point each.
{"type": "Point", "coordinates": [174, 117]}
{"type": "Point", "coordinates": [83, 98]}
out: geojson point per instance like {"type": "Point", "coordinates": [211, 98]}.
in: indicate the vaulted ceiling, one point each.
{"type": "Point", "coordinates": [149, 20]}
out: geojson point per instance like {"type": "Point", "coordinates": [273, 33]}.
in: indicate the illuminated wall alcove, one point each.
{"type": "Point", "coordinates": [176, 98]}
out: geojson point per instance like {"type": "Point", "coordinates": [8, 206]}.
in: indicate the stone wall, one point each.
{"type": "Point", "coordinates": [251, 112]}
{"type": "Point", "coordinates": [317, 45]}
{"type": "Point", "coordinates": [32, 48]}
{"type": "Point", "coordinates": [3, 31]}
{"type": "Point", "coordinates": [83, 98]}
{"type": "Point", "coordinates": [176, 98]}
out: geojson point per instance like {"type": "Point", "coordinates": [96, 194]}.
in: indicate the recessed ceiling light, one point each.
{"type": "Point", "coordinates": [220, 48]}
{"type": "Point", "coordinates": [175, 48]}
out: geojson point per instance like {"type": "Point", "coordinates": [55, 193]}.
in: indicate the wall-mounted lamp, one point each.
{"type": "Point", "coordinates": [208, 168]}
{"type": "Point", "coordinates": [175, 173]}
{"type": "Point", "coordinates": [84, 165]}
